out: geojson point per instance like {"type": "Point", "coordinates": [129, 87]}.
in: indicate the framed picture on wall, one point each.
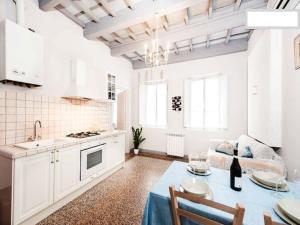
{"type": "Point", "coordinates": [297, 52]}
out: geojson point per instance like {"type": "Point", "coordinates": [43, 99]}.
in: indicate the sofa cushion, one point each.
{"type": "Point", "coordinates": [248, 153]}
{"type": "Point", "coordinates": [246, 141]}
{"type": "Point", "coordinates": [262, 151]}
{"type": "Point", "coordinates": [226, 148]}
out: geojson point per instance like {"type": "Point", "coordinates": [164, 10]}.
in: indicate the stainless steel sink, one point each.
{"type": "Point", "coordinates": [38, 143]}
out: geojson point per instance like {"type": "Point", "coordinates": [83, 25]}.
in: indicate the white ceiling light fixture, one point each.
{"type": "Point", "coordinates": [155, 54]}
{"type": "Point", "coordinates": [272, 19]}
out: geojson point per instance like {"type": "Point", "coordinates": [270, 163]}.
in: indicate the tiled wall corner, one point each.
{"type": "Point", "coordinates": [19, 110]}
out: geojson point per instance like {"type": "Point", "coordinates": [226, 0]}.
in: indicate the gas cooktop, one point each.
{"type": "Point", "coordinates": [85, 134]}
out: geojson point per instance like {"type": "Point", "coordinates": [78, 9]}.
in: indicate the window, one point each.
{"type": "Point", "coordinates": [206, 102]}
{"type": "Point", "coordinates": [153, 103]}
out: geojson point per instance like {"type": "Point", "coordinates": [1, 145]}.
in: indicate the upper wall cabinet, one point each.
{"type": "Point", "coordinates": [111, 87]}
{"type": "Point", "coordinates": [264, 87]}
{"type": "Point", "coordinates": [21, 54]}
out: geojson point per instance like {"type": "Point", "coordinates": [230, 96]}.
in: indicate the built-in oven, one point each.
{"type": "Point", "coordinates": [92, 160]}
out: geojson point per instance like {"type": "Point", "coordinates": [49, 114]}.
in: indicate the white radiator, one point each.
{"type": "Point", "coordinates": [175, 144]}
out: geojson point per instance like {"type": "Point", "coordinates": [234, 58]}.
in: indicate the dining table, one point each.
{"type": "Point", "coordinates": [253, 197]}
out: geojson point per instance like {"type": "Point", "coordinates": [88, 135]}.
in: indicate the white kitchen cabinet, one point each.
{"type": "Point", "coordinates": [21, 54]}
{"type": "Point", "coordinates": [115, 150]}
{"type": "Point", "coordinates": [33, 185]}
{"type": "Point", "coordinates": [42, 180]}
{"type": "Point", "coordinates": [67, 171]}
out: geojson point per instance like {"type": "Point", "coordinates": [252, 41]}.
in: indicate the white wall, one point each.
{"type": "Point", "coordinates": [235, 66]}
{"type": "Point", "coordinates": [291, 103]}
{"type": "Point", "coordinates": [63, 41]}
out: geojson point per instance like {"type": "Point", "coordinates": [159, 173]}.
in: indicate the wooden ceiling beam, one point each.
{"type": "Point", "coordinates": [131, 33]}
{"type": "Point", "coordinates": [104, 40]}
{"type": "Point", "coordinates": [117, 38]}
{"type": "Point", "coordinates": [186, 16]}
{"type": "Point", "coordinates": [210, 8]}
{"type": "Point", "coordinates": [48, 5]}
{"type": "Point", "coordinates": [69, 15]}
{"type": "Point", "coordinates": [228, 35]}
{"type": "Point", "coordinates": [127, 57]}
{"type": "Point", "coordinates": [142, 12]}
{"type": "Point", "coordinates": [249, 35]}
{"type": "Point", "coordinates": [218, 24]}
{"type": "Point", "coordinates": [176, 48]}
{"type": "Point", "coordinates": [191, 45]}
{"type": "Point", "coordinates": [140, 57]}
{"type": "Point", "coordinates": [165, 23]}
{"type": "Point", "coordinates": [207, 41]}
{"type": "Point", "coordinates": [202, 52]}
{"type": "Point", "coordinates": [148, 29]}
{"type": "Point", "coordinates": [237, 4]}
{"type": "Point", "coordinates": [106, 8]}
{"type": "Point", "coordinates": [129, 3]}
{"type": "Point", "coordinates": [83, 7]}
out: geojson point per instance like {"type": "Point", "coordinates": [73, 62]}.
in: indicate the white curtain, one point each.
{"type": "Point", "coordinates": [152, 100]}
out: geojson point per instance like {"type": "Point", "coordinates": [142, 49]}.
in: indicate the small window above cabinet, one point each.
{"type": "Point", "coordinates": [111, 87]}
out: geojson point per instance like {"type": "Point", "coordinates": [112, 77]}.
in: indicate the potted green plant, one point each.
{"type": "Point", "coordinates": [137, 138]}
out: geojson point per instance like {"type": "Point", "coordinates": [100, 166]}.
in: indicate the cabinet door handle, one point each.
{"type": "Point", "coordinates": [52, 156]}
{"type": "Point", "coordinates": [57, 156]}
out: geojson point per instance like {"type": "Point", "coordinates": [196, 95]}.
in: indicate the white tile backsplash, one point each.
{"type": "Point", "coordinates": [19, 110]}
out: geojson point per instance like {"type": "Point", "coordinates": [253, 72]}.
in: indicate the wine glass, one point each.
{"type": "Point", "coordinates": [280, 182]}
{"type": "Point", "coordinates": [194, 159]}
{"type": "Point", "coordinates": [295, 181]}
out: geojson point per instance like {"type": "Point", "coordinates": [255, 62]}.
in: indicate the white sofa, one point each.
{"type": "Point", "coordinates": [264, 157]}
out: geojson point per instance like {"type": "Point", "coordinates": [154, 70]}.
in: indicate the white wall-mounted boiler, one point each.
{"type": "Point", "coordinates": [21, 55]}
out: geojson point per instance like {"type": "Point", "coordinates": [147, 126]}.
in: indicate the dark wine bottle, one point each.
{"type": "Point", "coordinates": [235, 173]}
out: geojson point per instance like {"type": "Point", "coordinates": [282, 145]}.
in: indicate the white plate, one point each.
{"type": "Point", "coordinates": [208, 196]}
{"type": "Point", "coordinates": [281, 189]}
{"type": "Point", "coordinates": [268, 178]}
{"type": "Point", "coordinates": [283, 216]}
{"type": "Point", "coordinates": [194, 186]}
{"type": "Point", "coordinates": [199, 166]}
{"type": "Point", "coordinates": [190, 169]}
{"type": "Point", "coordinates": [291, 207]}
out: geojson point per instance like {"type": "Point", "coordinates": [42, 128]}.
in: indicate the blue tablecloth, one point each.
{"type": "Point", "coordinates": [255, 199]}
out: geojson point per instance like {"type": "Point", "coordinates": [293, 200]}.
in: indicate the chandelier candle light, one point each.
{"type": "Point", "coordinates": [155, 55]}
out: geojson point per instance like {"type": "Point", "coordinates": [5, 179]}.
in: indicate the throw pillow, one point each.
{"type": "Point", "coordinates": [247, 153]}
{"type": "Point", "coordinates": [245, 141]}
{"type": "Point", "coordinates": [262, 151]}
{"type": "Point", "coordinates": [226, 148]}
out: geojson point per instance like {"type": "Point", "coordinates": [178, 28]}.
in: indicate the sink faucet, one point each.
{"type": "Point", "coordinates": [35, 136]}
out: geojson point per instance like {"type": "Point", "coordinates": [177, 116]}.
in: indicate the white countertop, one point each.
{"type": "Point", "coordinates": [12, 152]}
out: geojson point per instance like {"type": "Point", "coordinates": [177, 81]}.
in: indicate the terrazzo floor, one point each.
{"type": "Point", "coordinates": [118, 200]}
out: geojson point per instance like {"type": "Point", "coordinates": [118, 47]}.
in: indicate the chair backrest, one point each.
{"type": "Point", "coordinates": [237, 212]}
{"type": "Point", "coordinates": [268, 220]}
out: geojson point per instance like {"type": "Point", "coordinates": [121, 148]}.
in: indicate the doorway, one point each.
{"type": "Point", "coordinates": [120, 111]}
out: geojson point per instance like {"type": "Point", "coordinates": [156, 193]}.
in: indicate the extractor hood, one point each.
{"type": "Point", "coordinates": [78, 86]}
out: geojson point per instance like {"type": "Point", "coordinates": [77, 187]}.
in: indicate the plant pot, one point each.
{"type": "Point", "coordinates": [136, 151]}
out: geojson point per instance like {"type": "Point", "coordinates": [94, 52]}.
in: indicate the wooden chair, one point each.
{"type": "Point", "coordinates": [238, 212]}
{"type": "Point", "coordinates": [268, 220]}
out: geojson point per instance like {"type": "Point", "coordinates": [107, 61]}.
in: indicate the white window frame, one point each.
{"type": "Point", "coordinates": [139, 106]}
{"type": "Point", "coordinates": [187, 99]}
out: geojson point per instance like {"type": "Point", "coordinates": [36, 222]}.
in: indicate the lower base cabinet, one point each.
{"type": "Point", "coordinates": [45, 178]}
{"type": "Point", "coordinates": [115, 150]}
{"type": "Point", "coordinates": [67, 173]}
{"type": "Point", "coordinates": [33, 185]}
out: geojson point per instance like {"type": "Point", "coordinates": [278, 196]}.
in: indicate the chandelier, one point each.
{"type": "Point", "coordinates": [155, 54]}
